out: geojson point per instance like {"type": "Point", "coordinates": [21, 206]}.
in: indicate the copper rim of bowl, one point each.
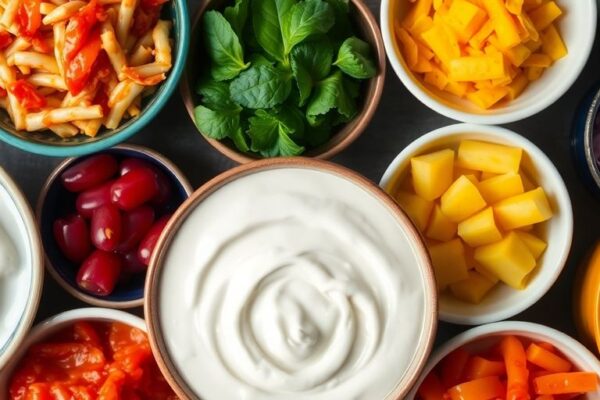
{"type": "Point", "coordinates": [78, 294]}
{"type": "Point", "coordinates": [37, 260]}
{"type": "Point", "coordinates": [342, 138]}
{"type": "Point", "coordinates": [157, 341]}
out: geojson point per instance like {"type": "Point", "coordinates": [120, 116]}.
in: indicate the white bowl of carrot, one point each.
{"type": "Point", "coordinates": [512, 360]}
{"type": "Point", "coordinates": [488, 61]}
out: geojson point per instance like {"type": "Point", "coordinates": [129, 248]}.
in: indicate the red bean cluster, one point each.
{"type": "Point", "coordinates": [116, 225]}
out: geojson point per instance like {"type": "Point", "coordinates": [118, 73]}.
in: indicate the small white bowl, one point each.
{"type": "Point", "coordinates": [485, 336]}
{"type": "Point", "coordinates": [60, 321]}
{"type": "Point", "coordinates": [503, 301]}
{"type": "Point", "coordinates": [20, 289]}
{"type": "Point", "coordinates": [577, 27]}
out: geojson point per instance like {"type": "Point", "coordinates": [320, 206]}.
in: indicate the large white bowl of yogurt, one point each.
{"type": "Point", "coordinates": [291, 279]}
{"type": "Point", "coordinates": [21, 268]}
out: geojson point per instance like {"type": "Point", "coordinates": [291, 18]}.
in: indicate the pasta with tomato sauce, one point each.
{"type": "Point", "coordinates": [72, 67]}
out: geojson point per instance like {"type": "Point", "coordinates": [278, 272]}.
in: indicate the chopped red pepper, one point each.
{"type": "Point", "coordinates": [144, 19]}
{"type": "Point", "coordinates": [79, 28]}
{"type": "Point", "coordinates": [28, 97]}
{"type": "Point", "coordinates": [5, 39]}
{"type": "Point", "coordinates": [41, 44]}
{"type": "Point", "coordinates": [101, 99]}
{"type": "Point", "coordinates": [79, 68]}
{"type": "Point", "coordinates": [29, 17]}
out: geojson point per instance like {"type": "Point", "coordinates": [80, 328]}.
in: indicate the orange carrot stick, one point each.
{"type": "Point", "coordinates": [478, 389]}
{"type": "Point", "coordinates": [479, 367]}
{"type": "Point", "coordinates": [546, 359]}
{"type": "Point", "coordinates": [453, 366]}
{"type": "Point", "coordinates": [431, 388]}
{"type": "Point", "coordinates": [566, 382]}
{"type": "Point", "coordinates": [516, 369]}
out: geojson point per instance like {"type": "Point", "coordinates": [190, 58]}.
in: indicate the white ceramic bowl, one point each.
{"type": "Point", "coordinates": [58, 322]}
{"type": "Point", "coordinates": [484, 336]}
{"type": "Point", "coordinates": [502, 302]}
{"type": "Point", "coordinates": [578, 28]}
{"type": "Point", "coordinates": [21, 288]}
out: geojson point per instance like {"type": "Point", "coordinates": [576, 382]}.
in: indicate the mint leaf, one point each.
{"type": "Point", "coordinates": [266, 21]}
{"type": "Point", "coordinates": [307, 17]}
{"type": "Point", "coordinates": [217, 124]}
{"type": "Point", "coordinates": [355, 60]}
{"type": "Point", "coordinates": [261, 86]}
{"type": "Point", "coordinates": [223, 47]}
{"type": "Point", "coordinates": [259, 59]}
{"type": "Point", "coordinates": [331, 93]}
{"type": "Point", "coordinates": [215, 95]}
{"type": "Point", "coordinates": [342, 27]}
{"type": "Point", "coordinates": [239, 139]}
{"type": "Point", "coordinates": [237, 16]}
{"type": "Point", "coordinates": [271, 132]}
{"type": "Point", "coordinates": [311, 62]}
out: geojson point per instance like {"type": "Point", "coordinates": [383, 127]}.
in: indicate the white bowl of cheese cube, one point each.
{"type": "Point", "coordinates": [576, 25]}
{"type": "Point", "coordinates": [520, 286]}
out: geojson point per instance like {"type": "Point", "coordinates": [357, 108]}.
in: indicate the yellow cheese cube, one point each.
{"type": "Point", "coordinates": [461, 200]}
{"type": "Point", "coordinates": [410, 51]}
{"type": "Point", "coordinates": [440, 227]}
{"type": "Point", "coordinates": [552, 44]}
{"type": "Point", "coordinates": [436, 78]}
{"type": "Point", "coordinates": [459, 171]}
{"type": "Point", "coordinates": [449, 264]}
{"type": "Point", "coordinates": [533, 73]}
{"type": "Point", "coordinates": [465, 19]}
{"type": "Point", "coordinates": [432, 173]}
{"type": "Point", "coordinates": [516, 87]}
{"type": "Point", "coordinates": [535, 245]}
{"type": "Point", "coordinates": [509, 259]}
{"type": "Point", "coordinates": [523, 209]}
{"type": "Point", "coordinates": [545, 15]}
{"type": "Point", "coordinates": [503, 21]}
{"type": "Point", "coordinates": [480, 229]}
{"type": "Point", "coordinates": [459, 89]}
{"type": "Point", "coordinates": [486, 98]}
{"type": "Point", "coordinates": [473, 289]}
{"type": "Point", "coordinates": [538, 60]}
{"type": "Point", "coordinates": [442, 42]}
{"type": "Point", "coordinates": [514, 6]}
{"type": "Point", "coordinates": [419, 9]}
{"type": "Point", "coordinates": [481, 36]}
{"type": "Point", "coordinates": [417, 208]}
{"type": "Point", "coordinates": [501, 187]}
{"type": "Point", "coordinates": [488, 157]}
{"type": "Point", "coordinates": [477, 68]}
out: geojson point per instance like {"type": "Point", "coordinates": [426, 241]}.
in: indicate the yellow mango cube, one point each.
{"type": "Point", "coordinates": [477, 68]}
{"type": "Point", "coordinates": [432, 173]}
{"type": "Point", "coordinates": [545, 15]}
{"type": "Point", "coordinates": [465, 19]}
{"type": "Point", "coordinates": [480, 229]}
{"type": "Point", "coordinates": [488, 157]}
{"type": "Point", "coordinates": [486, 98]}
{"type": "Point", "coordinates": [487, 175]}
{"type": "Point", "coordinates": [523, 209]}
{"type": "Point", "coordinates": [406, 184]}
{"type": "Point", "coordinates": [417, 208]}
{"type": "Point", "coordinates": [419, 9]}
{"type": "Point", "coordinates": [459, 171]}
{"type": "Point", "coordinates": [440, 227]}
{"type": "Point", "coordinates": [442, 42]}
{"type": "Point", "coordinates": [527, 182]}
{"type": "Point", "coordinates": [501, 187]}
{"type": "Point", "coordinates": [489, 276]}
{"type": "Point", "coordinates": [517, 86]}
{"type": "Point", "coordinates": [527, 23]}
{"type": "Point", "coordinates": [503, 21]}
{"type": "Point", "coordinates": [533, 73]}
{"type": "Point", "coordinates": [423, 65]}
{"type": "Point", "coordinates": [509, 259]}
{"type": "Point", "coordinates": [514, 6]}
{"type": "Point", "coordinates": [423, 24]}
{"type": "Point", "coordinates": [459, 89]}
{"type": "Point", "coordinates": [461, 200]}
{"type": "Point", "coordinates": [552, 44]}
{"type": "Point", "coordinates": [517, 55]}
{"type": "Point", "coordinates": [436, 78]}
{"type": "Point", "coordinates": [535, 245]}
{"type": "Point", "coordinates": [538, 60]}
{"type": "Point", "coordinates": [424, 51]}
{"type": "Point", "coordinates": [473, 289]}
{"type": "Point", "coordinates": [449, 264]}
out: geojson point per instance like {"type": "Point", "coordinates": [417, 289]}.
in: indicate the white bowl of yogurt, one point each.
{"type": "Point", "coordinates": [291, 279]}
{"type": "Point", "coordinates": [21, 268]}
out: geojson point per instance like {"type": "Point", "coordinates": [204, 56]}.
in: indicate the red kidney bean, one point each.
{"type": "Point", "coordinates": [132, 264]}
{"type": "Point", "coordinates": [148, 244]}
{"type": "Point", "coordinates": [73, 237]}
{"type": "Point", "coordinates": [90, 172]}
{"type": "Point", "coordinates": [129, 164]}
{"type": "Point", "coordinates": [164, 184]}
{"type": "Point", "coordinates": [135, 224]}
{"type": "Point", "coordinates": [99, 273]}
{"type": "Point", "coordinates": [106, 227]}
{"type": "Point", "coordinates": [134, 188]}
{"type": "Point", "coordinates": [91, 199]}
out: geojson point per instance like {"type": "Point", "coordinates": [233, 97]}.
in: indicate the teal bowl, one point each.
{"type": "Point", "coordinates": [48, 144]}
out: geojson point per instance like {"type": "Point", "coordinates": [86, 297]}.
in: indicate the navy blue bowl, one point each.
{"type": "Point", "coordinates": [55, 202]}
{"type": "Point", "coordinates": [582, 141]}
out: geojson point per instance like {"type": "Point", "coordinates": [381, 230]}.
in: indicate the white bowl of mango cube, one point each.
{"type": "Point", "coordinates": [494, 212]}
{"type": "Point", "coordinates": [509, 75]}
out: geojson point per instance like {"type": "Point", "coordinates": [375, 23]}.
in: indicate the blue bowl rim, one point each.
{"type": "Point", "coordinates": [71, 289]}
{"type": "Point", "coordinates": [591, 114]}
{"type": "Point", "coordinates": [147, 115]}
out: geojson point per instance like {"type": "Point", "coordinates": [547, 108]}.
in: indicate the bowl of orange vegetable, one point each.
{"type": "Point", "coordinates": [494, 212]}
{"type": "Point", "coordinates": [86, 353]}
{"type": "Point", "coordinates": [488, 61]}
{"type": "Point", "coordinates": [512, 360]}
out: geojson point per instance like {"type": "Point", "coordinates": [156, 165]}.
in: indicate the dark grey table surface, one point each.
{"type": "Point", "coordinates": [400, 119]}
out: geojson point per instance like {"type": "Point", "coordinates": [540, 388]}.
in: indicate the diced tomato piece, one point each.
{"type": "Point", "coordinates": [131, 359]}
{"type": "Point", "coordinates": [41, 44]}
{"type": "Point", "coordinates": [3, 92]}
{"type": "Point", "coordinates": [79, 28]}
{"type": "Point", "coordinates": [79, 68]}
{"type": "Point", "coordinates": [121, 335]}
{"type": "Point", "coordinates": [76, 356]}
{"type": "Point", "coordinates": [29, 17]}
{"type": "Point", "coordinates": [28, 97]}
{"type": "Point", "coordinates": [144, 19]}
{"type": "Point", "coordinates": [101, 99]}
{"type": "Point", "coordinates": [5, 39]}
{"type": "Point", "coordinates": [112, 386]}
{"type": "Point", "coordinates": [39, 391]}
{"type": "Point", "coordinates": [84, 332]}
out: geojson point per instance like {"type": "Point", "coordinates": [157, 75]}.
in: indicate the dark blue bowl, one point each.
{"type": "Point", "coordinates": [582, 140]}
{"type": "Point", "coordinates": [55, 202]}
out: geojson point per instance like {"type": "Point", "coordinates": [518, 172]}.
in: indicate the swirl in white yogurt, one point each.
{"type": "Point", "coordinates": [8, 254]}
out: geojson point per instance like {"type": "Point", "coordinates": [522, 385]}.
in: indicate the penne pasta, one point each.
{"type": "Point", "coordinates": [63, 12]}
{"type": "Point", "coordinates": [142, 55]}
{"type": "Point", "coordinates": [47, 8]}
{"type": "Point", "coordinates": [44, 119]}
{"type": "Point", "coordinates": [113, 49]}
{"type": "Point", "coordinates": [64, 130]}
{"type": "Point", "coordinates": [122, 103]}
{"type": "Point", "coordinates": [9, 14]}
{"type": "Point", "coordinates": [20, 44]}
{"type": "Point", "coordinates": [36, 60]}
{"type": "Point", "coordinates": [59, 43]}
{"type": "Point", "coordinates": [125, 19]}
{"type": "Point", "coordinates": [48, 80]}
{"type": "Point", "coordinates": [162, 47]}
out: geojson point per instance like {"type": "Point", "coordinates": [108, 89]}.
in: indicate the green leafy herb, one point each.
{"type": "Point", "coordinates": [311, 62]}
{"type": "Point", "coordinates": [342, 27]}
{"type": "Point", "coordinates": [223, 47]}
{"type": "Point", "coordinates": [354, 59]}
{"type": "Point", "coordinates": [331, 94]}
{"type": "Point", "coordinates": [215, 95]}
{"type": "Point", "coordinates": [237, 16]}
{"type": "Point", "coordinates": [270, 132]}
{"type": "Point", "coordinates": [306, 18]}
{"type": "Point", "coordinates": [217, 124]}
{"type": "Point", "coordinates": [261, 86]}
{"type": "Point", "coordinates": [266, 20]}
